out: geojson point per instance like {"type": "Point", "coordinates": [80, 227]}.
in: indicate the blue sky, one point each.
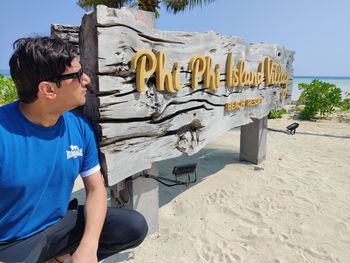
{"type": "Point", "coordinates": [317, 30]}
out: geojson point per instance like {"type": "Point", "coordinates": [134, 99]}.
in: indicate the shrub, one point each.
{"type": "Point", "coordinates": [8, 91]}
{"type": "Point", "coordinates": [276, 114]}
{"type": "Point", "coordinates": [345, 105]}
{"type": "Point", "coordinates": [319, 97]}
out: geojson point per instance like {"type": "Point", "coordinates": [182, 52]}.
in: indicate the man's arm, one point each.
{"type": "Point", "coordinates": [95, 213]}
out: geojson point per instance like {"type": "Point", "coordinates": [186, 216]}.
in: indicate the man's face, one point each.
{"type": "Point", "coordinates": [72, 91]}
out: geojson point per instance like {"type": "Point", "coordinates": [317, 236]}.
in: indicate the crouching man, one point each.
{"type": "Point", "coordinates": [44, 147]}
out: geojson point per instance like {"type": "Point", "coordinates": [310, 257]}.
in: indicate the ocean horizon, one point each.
{"type": "Point", "coordinates": [341, 82]}
{"type": "Point", "coordinates": [5, 72]}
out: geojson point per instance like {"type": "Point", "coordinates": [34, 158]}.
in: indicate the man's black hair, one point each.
{"type": "Point", "coordinates": [37, 59]}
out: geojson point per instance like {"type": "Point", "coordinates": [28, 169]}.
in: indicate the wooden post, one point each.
{"type": "Point", "coordinates": [253, 141]}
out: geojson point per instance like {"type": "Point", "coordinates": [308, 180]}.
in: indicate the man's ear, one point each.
{"type": "Point", "coordinates": [47, 89]}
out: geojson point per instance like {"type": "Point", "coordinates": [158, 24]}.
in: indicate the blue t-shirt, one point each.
{"type": "Point", "coordinates": [38, 167]}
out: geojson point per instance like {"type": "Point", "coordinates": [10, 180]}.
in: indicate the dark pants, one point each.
{"type": "Point", "coordinates": [122, 229]}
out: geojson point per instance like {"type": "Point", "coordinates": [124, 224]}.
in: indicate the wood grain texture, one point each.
{"type": "Point", "coordinates": [68, 33]}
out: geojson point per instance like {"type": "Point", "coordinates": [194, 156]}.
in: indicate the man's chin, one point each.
{"type": "Point", "coordinates": [82, 102]}
{"type": "Point", "coordinates": [78, 107]}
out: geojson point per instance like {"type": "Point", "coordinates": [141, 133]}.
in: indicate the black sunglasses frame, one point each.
{"type": "Point", "coordinates": [68, 76]}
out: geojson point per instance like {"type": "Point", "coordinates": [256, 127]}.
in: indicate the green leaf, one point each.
{"type": "Point", "coordinates": [8, 92]}
{"type": "Point", "coordinates": [273, 114]}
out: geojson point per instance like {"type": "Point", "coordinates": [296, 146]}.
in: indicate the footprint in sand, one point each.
{"type": "Point", "coordinates": [263, 231]}
{"type": "Point", "coordinates": [286, 192]}
{"type": "Point", "coordinates": [342, 231]}
{"type": "Point", "coordinates": [221, 252]}
{"type": "Point", "coordinates": [218, 197]}
{"type": "Point", "coordinates": [244, 232]}
{"type": "Point", "coordinates": [283, 237]}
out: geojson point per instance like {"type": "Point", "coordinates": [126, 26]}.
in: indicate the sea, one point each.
{"type": "Point", "coordinates": [341, 82]}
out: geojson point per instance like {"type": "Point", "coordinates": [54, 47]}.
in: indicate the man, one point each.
{"type": "Point", "coordinates": [44, 147]}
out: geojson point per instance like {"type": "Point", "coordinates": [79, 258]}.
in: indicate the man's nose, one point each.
{"type": "Point", "coordinates": [86, 79]}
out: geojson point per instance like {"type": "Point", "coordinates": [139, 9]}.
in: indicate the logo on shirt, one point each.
{"type": "Point", "coordinates": [74, 152]}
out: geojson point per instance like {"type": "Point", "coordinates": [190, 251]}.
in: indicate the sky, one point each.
{"type": "Point", "coordinates": [317, 30]}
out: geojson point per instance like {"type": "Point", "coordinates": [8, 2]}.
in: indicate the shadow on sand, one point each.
{"type": "Point", "coordinates": [209, 161]}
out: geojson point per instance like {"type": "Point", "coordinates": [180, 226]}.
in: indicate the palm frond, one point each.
{"type": "Point", "coordinates": [148, 5]}
{"type": "Point", "coordinates": [177, 6]}
{"type": "Point", "coordinates": [121, 3]}
{"type": "Point", "coordinates": [174, 6]}
{"type": "Point", "coordinates": [194, 3]}
{"type": "Point", "coordinates": [88, 5]}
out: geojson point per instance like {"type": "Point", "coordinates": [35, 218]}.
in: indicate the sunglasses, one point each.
{"type": "Point", "coordinates": [77, 75]}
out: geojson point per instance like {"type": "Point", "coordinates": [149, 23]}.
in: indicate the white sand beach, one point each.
{"type": "Point", "coordinates": [293, 207]}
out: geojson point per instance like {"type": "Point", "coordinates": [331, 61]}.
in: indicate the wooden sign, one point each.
{"type": "Point", "coordinates": [160, 94]}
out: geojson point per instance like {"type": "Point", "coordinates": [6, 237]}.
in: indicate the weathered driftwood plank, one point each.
{"type": "Point", "coordinates": [139, 128]}
{"type": "Point", "coordinates": [68, 33]}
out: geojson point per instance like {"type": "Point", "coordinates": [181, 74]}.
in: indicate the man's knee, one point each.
{"type": "Point", "coordinates": [128, 227]}
{"type": "Point", "coordinates": [139, 228]}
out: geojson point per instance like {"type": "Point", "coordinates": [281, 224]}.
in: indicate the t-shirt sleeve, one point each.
{"type": "Point", "coordinates": [90, 163]}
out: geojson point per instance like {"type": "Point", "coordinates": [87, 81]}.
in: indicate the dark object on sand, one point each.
{"type": "Point", "coordinates": [181, 170]}
{"type": "Point", "coordinates": [292, 127]}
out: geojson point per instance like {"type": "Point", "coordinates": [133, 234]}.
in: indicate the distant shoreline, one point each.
{"type": "Point", "coordinates": [6, 73]}
{"type": "Point", "coordinates": [321, 77]}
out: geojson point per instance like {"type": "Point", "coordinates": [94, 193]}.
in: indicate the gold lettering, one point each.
{"type": "Point", "coordinates": [241, 73]}
{"type": "Point", "coordinates": [253, 102]}
{"type": "Point", "coordinates": [176, 76]}
{"type": "Point", "coordinates": [268, 71]}
{"type": "Point", "coordinates": [144, 62]}
{"type": "Point", "coordinates": [211, 79]}
{"type": "Point", "coordinates": [233, 105]}
{"type": "Point", "coordinates": [197, 67]}
{"type": "Point", "coordinates": [217, 76]}
{"type": "Point", "coordinates": [228, 106]}
{"type": "Point", "coordinates": [208, 74]}
{"type": "Point", "coordinates": [283, 93]}
{"type": "Point", "coordinates": [229, 71]}
{"type": "Point", "coordinates": [163, 75]}
{"type": "Point", "coordinates": [235, 80]}
{"type": "Point", "coordinates": [254, 81]}
{"type": "Point", "coordinates": [274, 74]}
{"type": "Point", "coordinates": [260, 74]}
{"type": "Point", "coordinates": [249, 79]}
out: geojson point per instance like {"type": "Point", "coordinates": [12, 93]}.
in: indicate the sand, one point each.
{"type": "Point", "coordinates": [293, 207]}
